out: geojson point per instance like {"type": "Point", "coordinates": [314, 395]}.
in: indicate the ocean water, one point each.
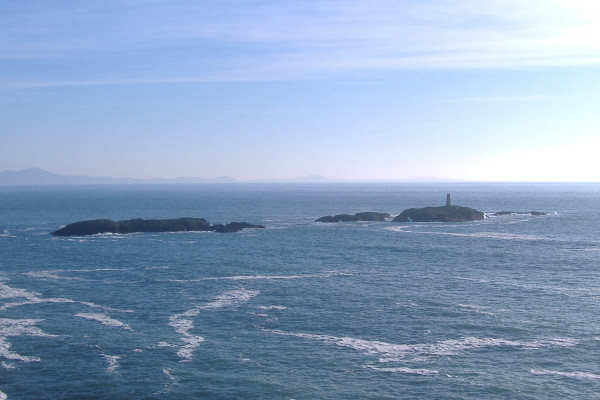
{"type": "Point", "coordinates": [503, 308]}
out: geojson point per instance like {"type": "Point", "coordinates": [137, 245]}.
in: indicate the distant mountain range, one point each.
{"type": "Point", "coordinates": [38, 176]}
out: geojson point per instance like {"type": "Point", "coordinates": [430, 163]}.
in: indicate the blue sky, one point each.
{"type": "Point", "coordinates": [470, 90]}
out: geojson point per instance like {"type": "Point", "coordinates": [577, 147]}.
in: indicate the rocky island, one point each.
{"type": "Point", "coordinates": [358, 217]}
{"type": "Point", "coordinates": [447, 213]}
{"type": "Point", "coordinates": [97, 226]}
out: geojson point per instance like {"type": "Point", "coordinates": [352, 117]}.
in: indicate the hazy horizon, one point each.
{"type": "Point", "coordinates": [39, 176]}
{"type": "Point", "coordinates": [501, 91]}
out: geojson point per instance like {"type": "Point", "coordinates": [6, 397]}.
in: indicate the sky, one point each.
{"type": "Point", "coordinates": [495, 90]}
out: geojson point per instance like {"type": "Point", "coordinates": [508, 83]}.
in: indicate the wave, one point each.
{"type": "Point", "coordinates": [104, 320]}
{"type": "Point", "coordinates": [567, 291]}
{"type": "Point", "coordinates": [476, 309]}
{"type": "Point", "coordinates": [483, 234]}
{"type": "Point", "coordinates": [264, 277]}
{"type": "Point", "coordinates": [183, 325]}
{"type": "Point", "coordinates": [18, 327]}
{"type": "Point", "coordinates": [575, 374]}
{"type": "Point", "coordinates": [493, 235]}
{"type": "Point", "coordinates": [390, 352]}
{"type": "Point", "coordinates": [7, 292]}
{"type": "Point", "coordinates": [113, 362]}
{"type": "Point", "coordinates": [272, 307]}
{"type": "Point", "coordinates": [168, 387]}
{"type": "Point", "coordinates": [405, 370]}
{"type": "Point", "coordinates": [6, 365]}
{"type": "Point", "coordinates": [52, 275]}
{"type": "Point", "coordinates": [3, 395]}
{"type": "Point", "coordinates": [167, 372]}
{"type": "Point", "coordinates": [231, 298]}
{"type": "Point", "coordinates": [93, 305]}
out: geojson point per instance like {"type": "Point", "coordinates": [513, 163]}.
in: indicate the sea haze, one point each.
{"type": "Point", "coordinates": [38, 176]}
{"type": "Point", "coordinates": [505, 307]}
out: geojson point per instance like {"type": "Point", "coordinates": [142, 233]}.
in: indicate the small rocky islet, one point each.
{"type": "Point", "coordinates": [358, 217]}
{"type": "Point", "coordinates": [138, 225]}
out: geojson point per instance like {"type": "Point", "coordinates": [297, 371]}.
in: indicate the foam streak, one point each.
{"type": "Point", "coordinates": [183, 324]}
{"type": "Point", "coordinates": [575, 374]}
{"type": "Point", "coordinates": [18, 327]}
{"type": "Point", "coordinates": [104, 320]}
{"type": "Point", "coordinates": [390, 352]}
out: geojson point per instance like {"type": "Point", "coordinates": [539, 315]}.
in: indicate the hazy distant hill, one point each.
{"type": "Point", "coordinates": [38, 176]}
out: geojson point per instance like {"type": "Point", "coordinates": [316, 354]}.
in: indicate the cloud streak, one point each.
{"type": "Point", "coordinates": [232, 40]}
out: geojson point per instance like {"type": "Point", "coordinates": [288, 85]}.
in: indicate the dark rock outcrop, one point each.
{"type": "Point", "coordinates": [234, 227]}
{"type": "Point", "coordinates": [536, 213]}
{"type": "Point", "coordinates": [358, 217]}
{"type": "Point", "coordinates": [93, 227]}
{"type": "Point", "coordinates": [439, 214]}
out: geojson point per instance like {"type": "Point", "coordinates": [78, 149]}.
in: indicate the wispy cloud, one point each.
{"type": "Point", "coordinates": [165, 41]}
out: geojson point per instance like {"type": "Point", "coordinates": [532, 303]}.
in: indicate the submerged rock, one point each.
{"type": "Point", "coordinates": [93, 227]}
{"type": "Point", "coordinates": [358, 217]}
{"type": "Point", "coordinates": [439, 214]}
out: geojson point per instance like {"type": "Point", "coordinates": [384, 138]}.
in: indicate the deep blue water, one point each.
{"type": "Point", "coordinates": [504, 308]}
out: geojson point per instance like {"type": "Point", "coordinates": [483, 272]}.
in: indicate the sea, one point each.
{"type": "Point", "coordinates": [507, 307]}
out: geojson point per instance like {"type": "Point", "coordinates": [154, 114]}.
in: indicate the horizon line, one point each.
{"type": "Point", "coordinates": [227, 180]}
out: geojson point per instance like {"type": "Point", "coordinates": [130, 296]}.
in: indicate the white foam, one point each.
{"type": "Point", "coordinates": [6, 365]}
{"type": "Point", "coordinates": [113, 362]}
{"type": "Point", "coordinates": [272, 307]}
{"type": "Point", "coordinates": [405, 370]}
{"type": "Point", "coordinates": [390, 352]}
{"type": "Point", "coordinates": [167, 372]}
{"type": "Point", "coordinates": [11, 355]}
{"type": "Point", "coordinates": [93, 305]}
{"type": "Point", "coordinates": [18, 327]}
{"type": "Point", "coordinates": [3, 395]}
{"type": "Point", "coordinates": [231, 298]}
{"type": "Point", "coordinates": [476, 309]}
{"type": "Point", "coordinates": [53, 275]}
{"type": "Point", "coordinates": [489, 235]}
{"type": "Point", "coordinates": [264, 277]}
{"type": "Point", "coordinates": [7, 292]}
{"type": "Point", "coordinates": [575, 374]}
{"type": "Point", "coordinates": [104, 320]}
{"type": "Point", "coordinates": [169, 386]}
{"type": "Point", "coordinates": [183, 325]}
